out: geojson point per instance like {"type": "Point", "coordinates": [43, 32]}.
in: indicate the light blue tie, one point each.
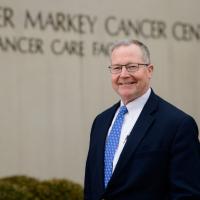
{"type": "Point", "coordinates": [112, 144]}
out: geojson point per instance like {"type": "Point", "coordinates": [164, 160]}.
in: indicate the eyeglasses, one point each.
{"type": "Point", "coordinates": [133, 67]}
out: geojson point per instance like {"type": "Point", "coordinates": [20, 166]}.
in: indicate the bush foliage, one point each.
{"type": "Point", "coordinates": [28, 188]}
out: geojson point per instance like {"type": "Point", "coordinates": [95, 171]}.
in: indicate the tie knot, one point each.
{"type": "Point", "coordinates": [123, 110]}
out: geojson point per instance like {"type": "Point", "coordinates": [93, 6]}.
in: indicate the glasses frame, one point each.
{"type": "Point", "coordinates": [110, 67]}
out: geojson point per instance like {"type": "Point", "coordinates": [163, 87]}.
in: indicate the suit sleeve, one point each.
{"type": "Point", "coordinates": [88, 168]}
{"type": "Point", "coordinates": [185, 162]}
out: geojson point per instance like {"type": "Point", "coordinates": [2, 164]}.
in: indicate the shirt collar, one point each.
{"type": "Point", "coordinates": [139, 102]}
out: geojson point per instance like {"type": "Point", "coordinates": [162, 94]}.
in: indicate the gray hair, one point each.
{"type": "Point", "coordinates": [143, 47]}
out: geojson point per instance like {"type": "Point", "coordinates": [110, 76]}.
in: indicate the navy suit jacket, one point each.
{"type": "Point", "coordinates": [160, 160]}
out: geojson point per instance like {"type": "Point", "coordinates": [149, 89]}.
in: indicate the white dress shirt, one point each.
{"type": "Point", "coordinates": [134, 109]}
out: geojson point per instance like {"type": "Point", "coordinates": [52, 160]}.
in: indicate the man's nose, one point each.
{"type": "Point", "coordinates": [124, 72]}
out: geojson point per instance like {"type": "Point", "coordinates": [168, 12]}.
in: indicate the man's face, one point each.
{"type": "Point", "coordinates": [128, 85]}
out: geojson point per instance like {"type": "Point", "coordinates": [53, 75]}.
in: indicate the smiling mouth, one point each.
{"type": "Point", "coordinates": [128, 83]}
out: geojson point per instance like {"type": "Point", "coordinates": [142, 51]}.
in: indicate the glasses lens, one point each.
{"type": "Point", "coordinates": [132, 68]}
{"type": "Point", "coordinates": [115, 69]}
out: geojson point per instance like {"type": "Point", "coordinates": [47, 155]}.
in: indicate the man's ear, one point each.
{"type": "Point", "coordinates": [150, 70]}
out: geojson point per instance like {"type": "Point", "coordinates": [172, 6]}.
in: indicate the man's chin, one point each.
{"type": "Point", "coordinates": [126, 98]}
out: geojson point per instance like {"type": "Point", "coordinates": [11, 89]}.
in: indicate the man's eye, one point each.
{"type": "Point", "coordinates": [116, 68]}
{"type": "Point", "coordinates": [132, 67]}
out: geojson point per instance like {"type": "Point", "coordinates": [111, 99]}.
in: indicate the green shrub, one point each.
{"type": "Point", "coordinates": [27, 188]}
{"type": "Point", "coordinates": [10, 191]}
{"type": "Point", "coordinates": [59, 189]}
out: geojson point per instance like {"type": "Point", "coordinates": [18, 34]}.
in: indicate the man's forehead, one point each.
{"type": "Point", "coordinates": [132, 51]}
{"type": "Point", "coordinates": [127, 49]}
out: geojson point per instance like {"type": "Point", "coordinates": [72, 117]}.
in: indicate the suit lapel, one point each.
{"type": "Point", "coordinates": [138, 132]}
{"type": "Point", "coordinates": [105, 122]}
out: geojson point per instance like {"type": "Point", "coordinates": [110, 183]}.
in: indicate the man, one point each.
{"type": "Point", "coordinates": [149, 151]}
